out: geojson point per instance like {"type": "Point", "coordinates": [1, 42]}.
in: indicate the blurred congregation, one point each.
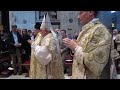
{"type": "Point", "coordinates": [23, 51]}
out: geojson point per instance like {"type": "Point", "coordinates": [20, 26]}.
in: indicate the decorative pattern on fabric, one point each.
{"type": "Point", "coordinates": [54, 69]}
{"type": "Point", "coordinates": [33, 61]}
{"type": "Point", "coordinates": [95, 42]}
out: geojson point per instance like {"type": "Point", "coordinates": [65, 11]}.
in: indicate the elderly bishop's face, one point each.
{"type": "Point", "coordinates": [84, 17]}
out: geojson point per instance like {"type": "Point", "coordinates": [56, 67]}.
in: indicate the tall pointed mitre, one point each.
{"type": "Point", "coordinates": [46, 24]}
{"type": "Point", "coordinates": [45, 57]}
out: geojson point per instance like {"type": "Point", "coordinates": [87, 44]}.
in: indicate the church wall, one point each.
{"type": "Point", "coordinates": [69, 21]}
{"type": "Point", "coordinates": [23, 19]}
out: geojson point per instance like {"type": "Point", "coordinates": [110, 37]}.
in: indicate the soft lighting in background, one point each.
{"type": "Point", "coordinates": [112, 11]}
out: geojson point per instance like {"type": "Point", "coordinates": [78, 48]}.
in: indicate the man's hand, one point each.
{"type": "Point", "coordinates": [75, 40]}
{"type": "Point", "coordinates": [29, 41]}
{"type": "Point", "coordinates": [72, 44]}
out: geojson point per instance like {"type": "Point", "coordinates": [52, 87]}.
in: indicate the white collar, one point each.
{"type": "Point", "coordinates": [95, 19]}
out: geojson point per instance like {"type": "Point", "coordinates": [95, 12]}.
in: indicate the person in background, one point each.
{"type": "Point", "coordinates": [65, 51]}
{"type": "Point", "coordinates": [36, 31]}
{"type": "Point", "coordinates": [0, 42]}
{"type": "Point", "coordinates": [14, 42]}
{"type": "Point", "coordinates": [116, 43]}
{"type": "Point", "coordinates": [59, 36]}
{"type": "Point", "coordinates": [64, 35]}
{"type": "Point", "coordinates": [76, 35]}
{"type": "Point", "coordinates": [3, 45]}
{"type": "Point", "coordinates": [116, 38]}
{"type": "Point", "coordinates": [25, 45]}
{"type": "Point", "coordinates": [29, 32]}
{"type": "Point", "coordinates": [70, 36]}
{"type": "Point", "coordinates": [19, 31]}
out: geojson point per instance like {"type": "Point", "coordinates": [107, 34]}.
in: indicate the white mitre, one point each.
{"type": "Point", "coordinates": [42, 53]}
{"type": "Point", "coordinates": [46, 23]}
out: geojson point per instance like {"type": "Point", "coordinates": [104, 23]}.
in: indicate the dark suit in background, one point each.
{"type": "Point", "coordinates": [26, 47]}
{"type": "Point", "coordinates": [15, 51]}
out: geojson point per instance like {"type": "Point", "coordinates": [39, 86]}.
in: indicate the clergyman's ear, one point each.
{"type": "Point", "coordinates": [91, 12]}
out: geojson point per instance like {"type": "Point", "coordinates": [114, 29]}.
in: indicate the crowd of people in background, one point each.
{"type": "Point", "coordinates": [116, 39]}
{"type": "Point", "coordinates": [16, 42]}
